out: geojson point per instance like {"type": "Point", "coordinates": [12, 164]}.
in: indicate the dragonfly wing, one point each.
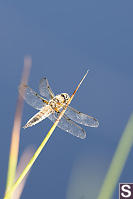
{"type": "Point", "coordinates": [81, 118]}
{"type": "Point", "coordinates": [68, 125]}
{"type": "Point", "coordinates": [31, 97]}
{"type": "Point", "coordinates": [45, 89]}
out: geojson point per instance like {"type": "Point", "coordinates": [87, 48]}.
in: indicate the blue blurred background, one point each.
{"type": "Point", "coordinates": [64, 39]}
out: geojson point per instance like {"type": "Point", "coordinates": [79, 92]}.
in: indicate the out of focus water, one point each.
{"type": "Point", "coordinates": [64, 40]}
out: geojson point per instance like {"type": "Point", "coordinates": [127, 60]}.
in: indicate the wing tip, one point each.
{"type": "Point", "coordinates": [43, 78]}
{"type": "Point", "coordinates": [24, 127]}
{"type": "Point", "coordinates": [83, 135]}
{"type": "Point", "coordinates": [21, 88]}
{"type": "Point", "coordinates": [97, 123]}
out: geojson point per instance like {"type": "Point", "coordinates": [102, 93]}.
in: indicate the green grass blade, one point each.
{"type": "Point", "coordinates": [118, 162]}
{"type": "Point", "coordinates": [15, 138]}
{"type": "Point", "coordinates": [38, 151]}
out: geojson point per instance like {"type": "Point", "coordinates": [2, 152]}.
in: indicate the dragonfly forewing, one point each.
{"type": "Point", "coordinates": [45, 89]}
{"type": "Point", "coordinates": [31, 97]}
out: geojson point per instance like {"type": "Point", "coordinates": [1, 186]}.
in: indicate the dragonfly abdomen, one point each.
{"type": "Point", "coordinates": [41, 115]}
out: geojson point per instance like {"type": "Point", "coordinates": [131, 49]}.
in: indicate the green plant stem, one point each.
{"type": "Point", "coordinates": [15, 136]}
{"type": "Point", "coordinates": [38, 151]}
{"type": "Point", "coordinates": [118, 162]}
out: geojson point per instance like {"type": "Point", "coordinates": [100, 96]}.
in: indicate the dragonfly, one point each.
{"type": "Point", "coordinates": [51, 105]}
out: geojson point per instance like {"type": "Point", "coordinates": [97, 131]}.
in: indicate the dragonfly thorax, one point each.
{"type": "Point", "coordinates": [59, 101]}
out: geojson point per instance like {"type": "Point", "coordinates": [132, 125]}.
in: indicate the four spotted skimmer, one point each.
{"type": "Point", "coordinates": [50, 106]}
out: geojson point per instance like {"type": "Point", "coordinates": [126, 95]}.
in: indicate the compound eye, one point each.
{"type": "Point", "coordinates": [67, 97]}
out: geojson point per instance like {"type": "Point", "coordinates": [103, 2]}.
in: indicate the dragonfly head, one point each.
{"type": "Point", "coordinates": [65, 96]}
